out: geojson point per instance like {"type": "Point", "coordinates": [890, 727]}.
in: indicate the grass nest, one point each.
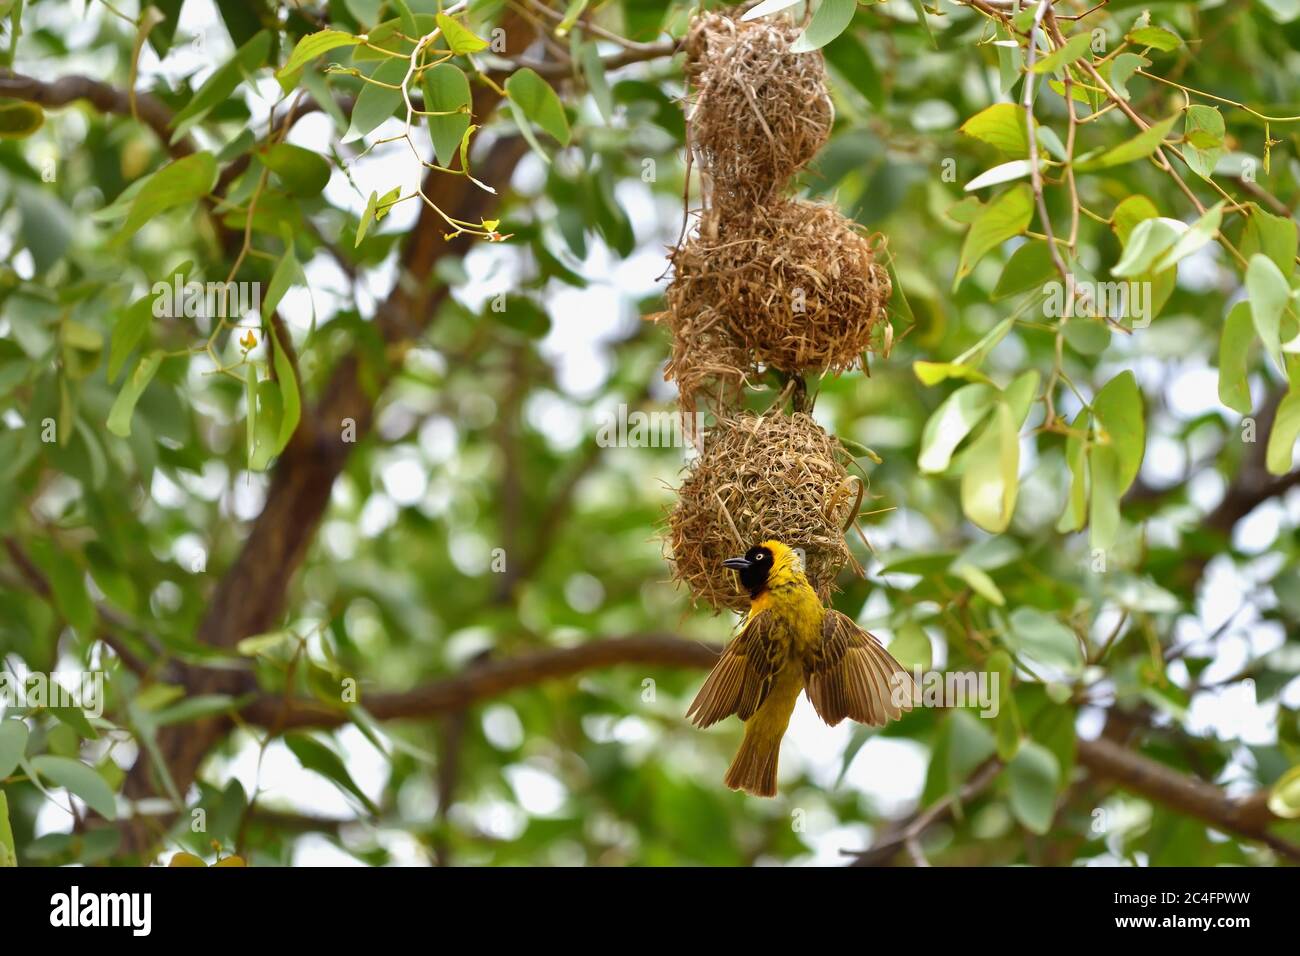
{"type": "Point", "coordinates": [794, 286]}
{"type": "Point", "coordinates": [758, 477]}
{"type": "Point", "coordinates": [759, 113]}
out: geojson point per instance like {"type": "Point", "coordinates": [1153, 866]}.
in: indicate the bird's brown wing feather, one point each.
{"type": "Point", "coordinates": [850, 675]}
{"type": "Point", "coordinates": [743, 676]}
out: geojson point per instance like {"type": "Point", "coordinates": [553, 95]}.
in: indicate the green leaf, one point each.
{"type": "Point", "coordinates": [119, 416]}
{"type": "Point", "coordinates": [290, 399]}
{"type": "Point", "coordinates": [539, 103]}
{"type": "Point", "coordinates": [1122, 69]}
{"type": "Point", "coordinates": [911, 647]}
{"type": "Point", "coordinates": [1005, 216]}
{"type": "Point", "coordinates": [990, 482]}
{"type": "Point", "coordinates": [1074, 49]}
{"type": "Point", "coordinates": [1118, 411]}
{"type": "Point", "coordinates": [1034, 776]}
{"type": "Point", "coordinates": [969, 744]}
{"type": "Point", "coordinates": [979, 582]}
{"type": "Point", "coordinates": [1283, 796]}
{"type": "Point", "coordinates": [446, 90]}
{"type": "Point", "coordinates": [1200, 234]}
{"type": "Point", "coordinates": [184, 181]}
{"type": "Point", "coordinates": [593, 68]}
{"type": "Point", "coordinates": [1131, 211]}
{"type": "Point", "coordinates": [8, 853]}
{"type": "Point", "coordinates": [524, 316]}
{"type": "Point", "coordinates": [1203, 129]}
{"type": "Point", "coordinates": [1286, 425]}
{"type": "Point", "coordinates": [47, 224]}
{"type": "Point", "coordinates": [951, 422]}
{"type": "Point", "coordinates": [1274, 236]}
{"type": "Point", "coordinates": [13, 742]}
{"type": "Point", "coordinates": [1041, 639]}
{"type": "Point", "coordinates": [831, 18]}
{"type": "Point", "coordinates": [250, 399]}
{"type": "Point", "coordinates": [68, 584]}
{"type": "Point", "coordinates": [221, 84]}
{"type": "Point", "coordinates": [1006, 726]}
{"type": "Point", "coordinates": [287, 274]}
{"type": "Point", "coordinates": [365, 12]}
{"type": "Point", "coordinates": [376, 103]}
{"type": "Point", "coordinates": [1003, 173]}
{"type": "Point", "coordinates": [315, 756]}
{"type": "Point", "coordinates": [308, 48]}
{"type": "Point", "coordinates": [367, 218]}
{"type": "Point", "coordinates": [303, 172]}
{"type": "Point", "coordinates": [129, 328]}
{"type": "Point", "coordinates": [266, 645]}
{"type": "Point", "coordinates": [80, 780]}
{"type": "Point", "coordinates": [1269, 293]}
{"type": "Point", "coordinates": [19, 119]}
{"type": "Point", "coordinates": [1029, 267]}
{"type": "Point", "coordinates": [383, 206]}
{"type": "Point", "coordinates": [932, 373]}
{"type": "Point", "coordinates": [266, 425]}
{"type": "Point", "coordinates": [851, 58]}
{"type": "Point", "coordinates": [410, 26]}
{"type": "Point", "coordinates": [75, 718]}
{"type": "Point", "coordinates": [1103, 515]}
{"type": "Point", "coordinates": [766, 8]}
{"type": "Point", "coordinates": [1019, 396]}
{"type": "Point", "coordinates": [1140, 146]}
{"type": "Point", "coordinates": [1234, 348]}
{"type": "Point", "coordinates": [1002, 126]}
{"type": "Point", "coordinates": [460, 39]}
{"type": "Point", "coordinates": [1087, 337]}
{"type": "Point", "coordinates": [1150, 239]}
{"type": "Point", "coordinates": [1157, 38]}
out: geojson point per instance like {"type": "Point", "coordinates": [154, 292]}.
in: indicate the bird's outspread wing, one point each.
{"type": "Point", "coordinates": [743, 676]}
{"type": "Point", "coordinates": [850, 675]}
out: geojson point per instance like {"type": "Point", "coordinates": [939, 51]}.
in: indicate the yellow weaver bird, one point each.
{"type": "Point", "coordinates": [787, 643]}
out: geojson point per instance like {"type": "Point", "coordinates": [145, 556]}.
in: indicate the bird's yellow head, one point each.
{"type": "Point", "coordinates": [768, 565]}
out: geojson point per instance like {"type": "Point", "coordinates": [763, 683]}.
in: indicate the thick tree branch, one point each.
{"type": "Point", "coordinates": [104, 97]}
{"type": "Point", "coordinates": [489, 679]}
{"type": "Point", "coordinates": [252, 594]}
{"type": "Point", "coordinates": [1249, 818]}
{"type": "Point", "coordinates": [109, 621]}
{"type": "Point", "coordinates": [1141, 775]}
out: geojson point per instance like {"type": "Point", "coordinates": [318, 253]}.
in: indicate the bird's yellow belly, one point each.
{"type": "Point", "coordinates": [798, 616]}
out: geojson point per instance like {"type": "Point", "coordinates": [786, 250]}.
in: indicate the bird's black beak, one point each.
{"type": "Point", "coordinates": [737, 564]}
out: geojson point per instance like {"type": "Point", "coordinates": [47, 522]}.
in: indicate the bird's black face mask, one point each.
{"type": "Point", "coordinates": [753, 568]}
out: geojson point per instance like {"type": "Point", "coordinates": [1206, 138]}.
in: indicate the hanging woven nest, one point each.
{"type": "Point", "coordinates": [758, 113]}
{"type": "Point", "coordinates": [759, 477]}
{"type": "Point", "coordinates": [793, 287]}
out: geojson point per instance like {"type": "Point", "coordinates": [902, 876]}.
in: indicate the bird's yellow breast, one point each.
{"type": "Point", "coordinates": [797, 613]}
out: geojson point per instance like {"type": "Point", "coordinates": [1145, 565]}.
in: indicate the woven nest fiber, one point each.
{"type": "Point", "coordinates": [793, 286]}
{"type": "Point", "coordinates": [759, 113]}
{"type": "Point", "coordinates": [770, 476]}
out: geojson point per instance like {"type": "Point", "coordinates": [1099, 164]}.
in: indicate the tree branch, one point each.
{"type": "Point", "coordinates": [1145, 777]}
{"type": "Point", "coordinates": [104, 97]}
{"type": "Point", "coordinates": [489, 678]}
{"type": "Point", "coordinates": [109, 621]}
{"type": "Point", "coordinates": [1249, 818]}
{"type": "Point", "coordinates": [251, 596]}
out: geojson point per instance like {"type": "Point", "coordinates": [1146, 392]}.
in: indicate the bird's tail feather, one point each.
{"type": "Point", "coordinates": [754, 769]}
